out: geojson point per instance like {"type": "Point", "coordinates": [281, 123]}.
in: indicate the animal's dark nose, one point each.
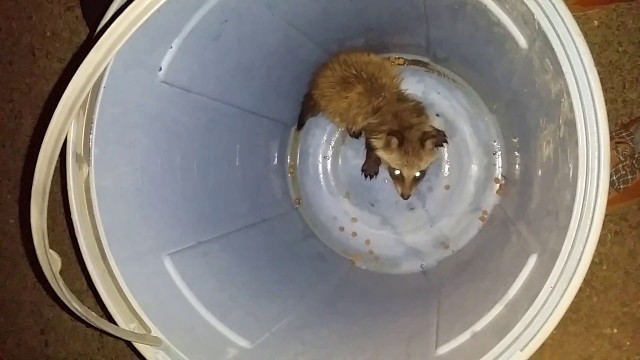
{"type": "Point", "coordinates": [405, 196]}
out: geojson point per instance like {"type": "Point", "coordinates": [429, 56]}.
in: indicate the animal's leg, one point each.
{"type": "Point", "coordinates": [371, 165]}
{"type": "Point", "coordinates": [355, 134]}
{"type": "Point", "coordinates": [308, 109]}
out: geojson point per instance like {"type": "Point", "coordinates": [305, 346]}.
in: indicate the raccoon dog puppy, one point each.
{"type": "Point", "coordinates": [360, 92]}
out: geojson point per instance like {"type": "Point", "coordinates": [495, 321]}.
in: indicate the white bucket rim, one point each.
{"type": "Point", "coordinates": [521, 342]}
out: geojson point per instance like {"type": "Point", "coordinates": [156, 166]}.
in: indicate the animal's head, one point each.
{"type": "Point", "coordinates": [407, 155]}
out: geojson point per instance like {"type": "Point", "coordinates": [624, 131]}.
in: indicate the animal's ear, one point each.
{"type": "Point", "coordinates": [438, 136]}
{"type": "Point", "coordinates": [395, 138]}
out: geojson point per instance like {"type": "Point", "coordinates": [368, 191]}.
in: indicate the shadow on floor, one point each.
{"type": "Point", "coordinates": [93, 11]}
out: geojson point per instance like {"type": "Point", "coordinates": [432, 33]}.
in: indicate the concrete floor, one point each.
{"type": "Point", "coordinates": [38, 40]}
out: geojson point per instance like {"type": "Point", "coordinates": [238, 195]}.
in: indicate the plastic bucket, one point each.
{"type": "Point", "coordinates": [212, 230]}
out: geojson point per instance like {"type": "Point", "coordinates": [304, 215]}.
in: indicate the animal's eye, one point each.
{"type": "Point", "coordinates": [420, 174]}
{"type": "Point", "coordinates": [395, 173]}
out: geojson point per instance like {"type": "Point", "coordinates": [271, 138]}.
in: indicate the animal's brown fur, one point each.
{"type": "Point", "coordinates": [361, 92]}
{"type": "Point", "coordinates": [351, 89]}
{"type": "Point", "coordinates": [408, 144]}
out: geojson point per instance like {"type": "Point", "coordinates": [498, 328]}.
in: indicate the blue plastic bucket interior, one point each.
{"type": "Point", "coordinates": [239, 239]}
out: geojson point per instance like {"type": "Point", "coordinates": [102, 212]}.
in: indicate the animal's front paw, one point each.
{"type": "Point", "coordinates": [370, 169]}
{"type": "Point", "coordinates": [355, 134]}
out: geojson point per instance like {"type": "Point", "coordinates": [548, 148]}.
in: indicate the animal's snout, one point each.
{"type": "Point", "coordinates": [405, 196]}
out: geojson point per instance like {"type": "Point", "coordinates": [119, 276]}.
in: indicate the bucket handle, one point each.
{"type": "Point", "coordinates": [111, 13]}
{"type": "Point", "coordinates": [78, 89]}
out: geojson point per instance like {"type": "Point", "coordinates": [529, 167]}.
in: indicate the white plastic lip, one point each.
{"type": "Point", "coordinates": [69, 107]}
{"type": "Point", "coordinates": [495, 311]}
{"type": "Point", "coordinates": [106, 278]}
{"type": "Point", "coordinates": [593, 183]}
{"type": "Point", "coordinates": [119, 302]}
{"type": "Point", "coordinates": [506, 21]}
{"type": "Point", "coordinates": [566, 278]}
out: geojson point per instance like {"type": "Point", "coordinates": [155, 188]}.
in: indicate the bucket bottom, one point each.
{"type": "Point", "coordinates": [366, 221]}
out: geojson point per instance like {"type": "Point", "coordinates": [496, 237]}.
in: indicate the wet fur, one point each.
{"type": "Point", "coordinates": [360, 92]}
{"type": "Point", "coordinates": [351, 89]}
